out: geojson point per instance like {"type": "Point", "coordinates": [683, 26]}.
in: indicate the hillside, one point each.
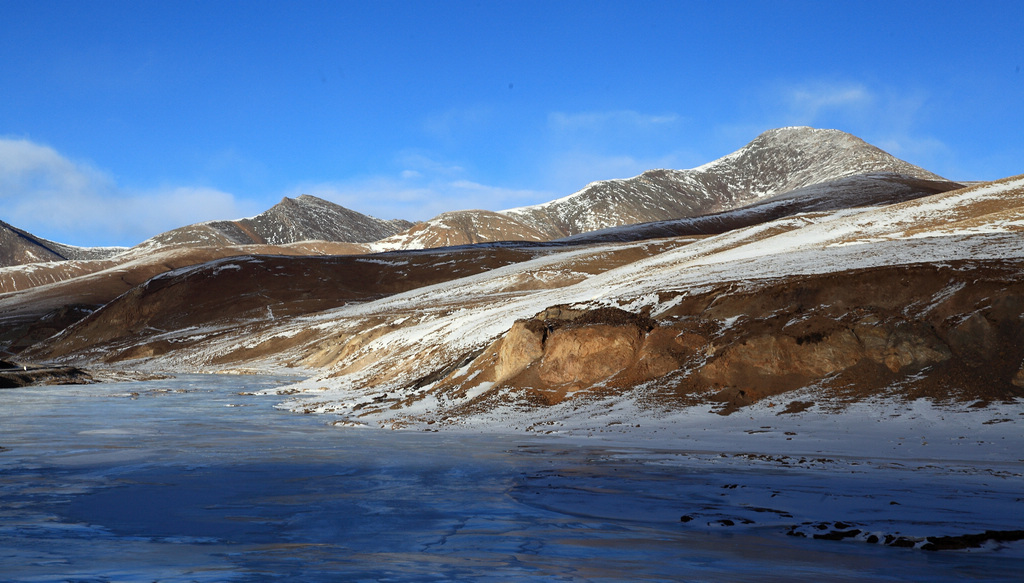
{"type": "Point", "coordinates": [828, 273]}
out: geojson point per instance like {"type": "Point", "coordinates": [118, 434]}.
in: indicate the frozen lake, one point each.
{"type": "Point", "coordinates": [186, 480]}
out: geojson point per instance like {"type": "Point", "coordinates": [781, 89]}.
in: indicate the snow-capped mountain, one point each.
{"type": "Point", "coordinates": [776, 162]}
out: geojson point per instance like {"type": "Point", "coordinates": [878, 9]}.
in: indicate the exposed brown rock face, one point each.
{"type": "Point", "coordinates": [587, 355]}
{"type": "Point", "coordinates": [916, 330]}
{"type": "Point", "coordinates": [562, 351]}
{"type": "Point", "coordinates": [1018, 379]}
{"type": "Point", "coordinates": [519, 349]}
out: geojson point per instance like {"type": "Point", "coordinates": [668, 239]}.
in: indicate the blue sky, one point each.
{"type": "Point", "coordinates": [119, 120]}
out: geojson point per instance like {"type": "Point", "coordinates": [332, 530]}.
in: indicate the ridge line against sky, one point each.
{"type": "Point", "coordinates": [121, 119]}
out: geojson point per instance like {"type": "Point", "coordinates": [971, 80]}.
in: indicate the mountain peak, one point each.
{"type": "Point", "coordinates": [777, 161]}
{"type": "Point", "coordinates": [809, 155]}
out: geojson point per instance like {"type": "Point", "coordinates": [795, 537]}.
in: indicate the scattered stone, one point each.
{"type": "Point", "coordinates": [971, 541]}
{"type": "Point", "coordinates": [838, 534]}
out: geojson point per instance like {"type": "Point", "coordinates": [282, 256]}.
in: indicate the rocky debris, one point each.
{"type": "Point", "coordinates": [14, 375]}
{"type": "Point", "coordinates": [971, 541]}
{"type": "Point", "coordinates": [837, 531]}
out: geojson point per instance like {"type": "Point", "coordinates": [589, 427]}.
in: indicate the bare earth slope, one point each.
{"type": "Point", "coordinates": [41, 299]}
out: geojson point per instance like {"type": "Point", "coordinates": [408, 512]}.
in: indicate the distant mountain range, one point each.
{"type": "Point", "coordinates": [806, 268]}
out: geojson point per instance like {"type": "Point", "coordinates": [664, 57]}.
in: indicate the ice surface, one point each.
{"type": "Point", "coordinates": [197, 479]}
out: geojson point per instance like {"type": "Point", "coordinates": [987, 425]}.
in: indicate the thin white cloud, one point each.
{"type": "Point", "coordinates": [808, 102]}
{"type": "Point", "coordinates": [890, 118]}
{"type": "Point", "coordinates": [417, 163]}
{"type": "Point", "coordinates": [424, 188]}
{"type": "Point", "coordinates": [27, 166]}
{"type": "Point", "coordinates": [608, 120]}
{"type": "Point", "coordinates": [388, 197]}
{"type": "Point", "coordinates": [456, 121]}
{"type": "Point", "coordinates": [51, 196]}
{"type": "Point", "coordinates": [570, 171]}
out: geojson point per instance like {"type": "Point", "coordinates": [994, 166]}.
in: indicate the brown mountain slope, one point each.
{"type": "Point", "coordinates": [305, 218]}
{"type": "Point", "coordinates": [843, 193]}
{"type": "Point", "coordinates": [43, 299]}
{"type": "Point", "coordinates": [461, 228]}
{"type": "Point", "coordinates": [918, 298]}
